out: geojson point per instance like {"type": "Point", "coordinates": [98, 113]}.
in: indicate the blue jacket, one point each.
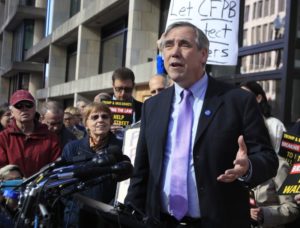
{"type": "Point", "coordinates": [104, 192]}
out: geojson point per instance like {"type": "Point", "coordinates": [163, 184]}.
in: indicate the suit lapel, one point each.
{"type": "Point", "coordinates": [164, 105]}
{"type": "Point", "coordinates": [211, 104]}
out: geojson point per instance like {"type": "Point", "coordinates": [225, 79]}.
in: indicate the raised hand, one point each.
{"type": "Point", "coordinates": [241, 164]}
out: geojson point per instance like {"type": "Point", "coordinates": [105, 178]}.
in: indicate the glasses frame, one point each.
{"type": "Point", "coordinates": [21, 105]}
{"type": "Point", "coordinates": [125, 89]}
{"type": "Point", "coordinates": [97, 116]}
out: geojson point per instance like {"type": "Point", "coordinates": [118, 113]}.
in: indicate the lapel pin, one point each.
{"type": "Point", "coordinates": [207, 112]}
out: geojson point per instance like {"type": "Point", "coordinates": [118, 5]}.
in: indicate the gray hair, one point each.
{"type": "Point", "coordinates": [52, 106]}
{"type": "Point", "coordinates": [201, 39]}
{"type": "Point", "coordinates": [5, 170]}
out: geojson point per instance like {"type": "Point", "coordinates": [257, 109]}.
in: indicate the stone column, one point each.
{"type": "Point", "coordinates": [143, 28]}
{"type": "Point", "coordinates": [57, 65]}
{"type": "Point", "coordinates": [88, 52]}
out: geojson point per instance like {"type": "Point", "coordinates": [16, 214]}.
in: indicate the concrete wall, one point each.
{"type": "Point", "coordinates": [57, 65]}
{"type": "Point", "coordinates": [87, 52]}
{"type": "Point", "coordinates": [61, 11]}
{"type": "Point", "coordinates": [38, 32]}
{"type": "Point", "coordinates": [7, 40]}
{"type": "Point", "coordinates": [143, 27]}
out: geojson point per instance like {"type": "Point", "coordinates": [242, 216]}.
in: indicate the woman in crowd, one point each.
{"type": "Point", "coordinates": [271, 209]}
{"type": "Point", "coordinates": [9, 197]}
{"type": "Point", "coordinates": [5, 116]}
{"type": "Point", "coordinates": [97, 119]}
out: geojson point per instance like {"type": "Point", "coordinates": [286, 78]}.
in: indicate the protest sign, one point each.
{"type": "Point", "coordinates": [122, 111]}
{"type": "Point", "coordinates": [219, 20]}
{"type": "Point", "coordinates": [290, 150]}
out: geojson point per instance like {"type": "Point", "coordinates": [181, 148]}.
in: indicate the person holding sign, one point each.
{"type": "Point", "coordinates": [201, 143]}
{"type": "Point", "coordinates": [97, 119]}
{"type": "Point", "coordinates": [272, 209]}
{"type": "Point", "coordinates": [123, 83]}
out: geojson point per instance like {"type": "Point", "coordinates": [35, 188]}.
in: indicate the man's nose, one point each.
{"type": "Point", "coordinates": [175, 52]}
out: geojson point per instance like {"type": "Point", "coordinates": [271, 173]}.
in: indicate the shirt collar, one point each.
{"type": "Point", "coordinates": [197, 89]}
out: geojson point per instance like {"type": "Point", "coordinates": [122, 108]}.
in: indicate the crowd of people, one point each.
{"type": "Point", "coordinates": [204, 146]}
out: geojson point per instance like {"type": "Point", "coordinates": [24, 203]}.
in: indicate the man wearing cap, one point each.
{"type": "Point", "coordinates": [26, 142]}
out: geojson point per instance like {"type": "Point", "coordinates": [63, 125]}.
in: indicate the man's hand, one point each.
{"type": "Point", "coordinates": [257, 214]}
{"type": "Point", "coordinates": [297, 198]}
{"type": "Point", "coordinates": [241, 164]}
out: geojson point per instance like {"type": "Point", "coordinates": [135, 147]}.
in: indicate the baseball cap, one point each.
{"type": "Point", "coordinates": [21, 95]}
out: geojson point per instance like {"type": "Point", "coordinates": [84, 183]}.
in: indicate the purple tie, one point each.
{"type": "Point", "coordinates": [178, 198]}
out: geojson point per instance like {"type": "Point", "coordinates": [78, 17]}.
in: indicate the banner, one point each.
{"type": "Point", "coordinates": [122, 111]}
{"type": "Point", "coordinates": [129, 149]}
{"type": "Point", "coordinates": [291, 185]}
{"type": "Point", "coordinates": [219, 20]}
{"type": "Point", "coordinates": [290, 150]}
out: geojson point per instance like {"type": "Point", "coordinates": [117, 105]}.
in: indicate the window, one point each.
{"type": "Point", "coordinates": [266, 7]}
{"type": "Point", "coordinates": [245, 35]}
{"type": "Point", "coordinates": [246, 13]}
{"type": "Point", "coordinates": [270, 33]}
{"type": "Point", "coordinates": [113, 45]}
{"type": "Point", "coordinates": [295, 104]}
{"type": "Point", "coordinates": [74, 7]}
{"type": "Point", "coordinates": [27, 2]}
{"type": "Point", "coordinates": [281, 5]}
{"type": "Point", "coordinates": [272, 90]}
{"type": "Point", "coordinates": [272, 7]}
{"type": "Point", "coordinates": [253, 35]}
{"type": "Point", "coordinates": [254, 11]}
{"type": "Point", "coordinates": [17, 44]}
{"type": "Point", "coordinates": [71, 62]}
{"type": "Point", "coordinates": [19, 81]}
{"type": "Point", "coordinates": [259, 9]}
{"type": "Point", "coordinates": [28, 35]}
{"type": "Point", "coordinates": [22, 40]}
{"type": "Point", "coordinates": [265, 33]}
{"type": "Point", "coordinates": [256, 61]}
{"type": "Point", "coordinates": [258, 33]}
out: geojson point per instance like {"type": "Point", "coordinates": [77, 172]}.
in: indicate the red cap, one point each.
{"type": "Point", "coordinates": [21, 95]}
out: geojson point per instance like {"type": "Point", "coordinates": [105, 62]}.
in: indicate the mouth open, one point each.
{"type": "Point", "coordinates": [176, 64]}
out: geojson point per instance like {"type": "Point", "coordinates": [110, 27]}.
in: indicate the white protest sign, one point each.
{"type": "Point", "coordinates": [218, 19]}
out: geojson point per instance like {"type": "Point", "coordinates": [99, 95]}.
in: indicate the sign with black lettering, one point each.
{"type": "Point", "coordinates": [291, 185]}
{"type": "Point", "coordinates": [218, 19]}
{"type": "Point", "coordinates": [122, 111]}
{"type": "Point", "coordinates": [290, 148]}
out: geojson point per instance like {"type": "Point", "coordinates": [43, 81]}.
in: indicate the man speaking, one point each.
{"type": "Point", "coordinates": [202, 142]}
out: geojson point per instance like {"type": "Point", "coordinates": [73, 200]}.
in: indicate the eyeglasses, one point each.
{"type": "Point", "coordinates": [125, 89]}
{"type": "Point", "coordinates": [97, 116]}
{"type": "Point", "coordinates": [23, 105]}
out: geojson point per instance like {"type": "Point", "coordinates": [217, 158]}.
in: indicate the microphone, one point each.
{"type": "Point", "coordinates": [120, 171]}
{"type": "Point", "coordinates": [110, 156]}
{"type": "Point", "coordinates": [10, 184]}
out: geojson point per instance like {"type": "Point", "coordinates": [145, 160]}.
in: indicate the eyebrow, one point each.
{"type": "Point", "coordinates": [180, 42]}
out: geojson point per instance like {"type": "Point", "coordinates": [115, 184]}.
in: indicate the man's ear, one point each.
{"type": "Point", "coordinates": [204, 57]}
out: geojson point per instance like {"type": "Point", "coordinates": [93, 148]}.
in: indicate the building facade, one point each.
{"type": "Point", "coordinates": [66, 50]}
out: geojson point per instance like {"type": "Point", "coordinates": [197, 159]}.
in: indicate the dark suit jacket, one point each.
{"type": "Point", "coordinates": [232, 112]}
{"type": "Point", "coordinates": [137, 107]}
